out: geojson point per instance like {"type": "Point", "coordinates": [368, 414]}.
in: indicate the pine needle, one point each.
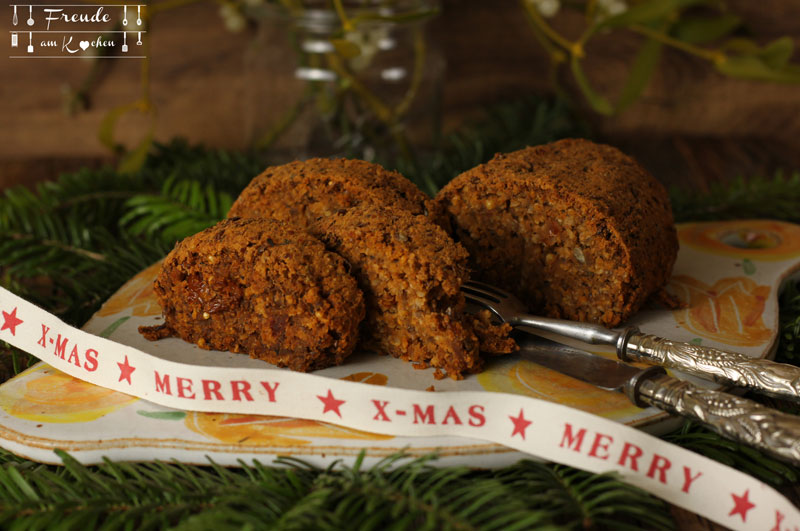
{"type": "Point", "coordinates": [71, 243]}
{"type": "Point", "coordinates": [505, 127]}
{"type": "Point", "coordinates": [777, 197]}
{"type": "Point", "coordinates": [789, 323]}
{"type": "Point", "coordinates": [398, 493]}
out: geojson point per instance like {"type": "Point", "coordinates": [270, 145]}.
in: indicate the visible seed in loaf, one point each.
{"type": "Point", "coordinates": [415, 309]}
{"type": "Point", "coordinates": [576, 229]}
{"type": "Point", "coordinates": [305, 192]}
{"type": "Point", "coordinates": [263, 288]}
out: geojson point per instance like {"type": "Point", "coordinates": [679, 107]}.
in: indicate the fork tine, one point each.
{"type": "Point", "coordinates": [487, 299]}
{"type": "Point", "coordinates": [487, 289]}
{"type": "Point", "coordinates": [482, 300]}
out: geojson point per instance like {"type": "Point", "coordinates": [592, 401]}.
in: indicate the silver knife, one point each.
{"type": "Point", "coordinates": [725, 367]}
{"type": "Point", "coordinates": [736, 418]}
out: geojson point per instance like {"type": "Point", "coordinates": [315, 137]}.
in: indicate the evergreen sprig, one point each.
{"type": "Point", "coordinates": [71, 243]}
{"type": "Point", "coordinates": [789, 323]}
{"type": "Point", "coordinates": [775, 197]}
{"type": "Point", "coordinates": [699, 439]}
{"type": "Point", "coordinates": [502, 128]}
{"type": "Point", "coordinates": [183, 207]}
{"type": "Point", "coordinates": [58, 245]}
{"type": "Point", "coordinates": [397, 493]}
{"type": "Point", "coordinates": [74, 241]}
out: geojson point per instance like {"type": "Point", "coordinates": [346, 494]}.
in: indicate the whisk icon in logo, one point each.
{"type": "Point", "coordinates": [77, 30]}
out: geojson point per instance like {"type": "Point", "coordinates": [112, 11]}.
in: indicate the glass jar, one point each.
{"type": "Point", "coordinates": [364, 81]}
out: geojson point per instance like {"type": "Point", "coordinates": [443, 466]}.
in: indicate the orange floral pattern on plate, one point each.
{"type": "Point", "coordinates": [268, 430]}
{"type": "Point", "coordinates": [731, 311]}
{"type": "Point", "coordinates": [754, 239]}
{"type": "Point", "coordinates": [137, 294]}
{"type": "Point", "coordinates": [374, 378]}
{"type": "Point", "coordinates": [278, 431]}
{"type": "Point", "coordinates": [52, 396]}
{"type": "Point", "coordinates": [527, 378]}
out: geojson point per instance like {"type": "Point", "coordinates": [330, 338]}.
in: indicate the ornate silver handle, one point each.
{"type": "Point", "coordinates": [767, 377]}
{"type": "Point", "coordinates": [737, 418]}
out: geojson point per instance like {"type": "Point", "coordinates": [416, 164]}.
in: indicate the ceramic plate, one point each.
{"type": "Point", "coordinates": [728, 273]}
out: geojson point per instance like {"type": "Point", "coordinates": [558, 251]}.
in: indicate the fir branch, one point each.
{"type": "Point", "coordinates": [504, 127]}
{"type": "Point", "coordinates": [789, 324]}
{"type": "Point", "coordinates": [397, 493]}
{"type": "Point", "coordinates": [698, 439]}
{"type": "Point", "coordinates": [184, 207]}
{"type": "Point", "coordinates": [585, 500]}
{"type": "Point", "coordinates": [63, 246]}
{"type": "Point", "coordinates": [756, 197]}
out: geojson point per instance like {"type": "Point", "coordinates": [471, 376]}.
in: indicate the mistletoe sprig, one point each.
{"type": "Point", "coordinates": [706, 29]}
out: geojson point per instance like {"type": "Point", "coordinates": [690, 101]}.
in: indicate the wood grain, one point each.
{"type": "Point", "coordinates": [203, 89]}
{"type": "Point", "coordinates": [692, 127]}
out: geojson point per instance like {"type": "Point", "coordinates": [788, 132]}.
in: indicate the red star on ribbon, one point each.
{"type": "Point", "coordinates": [331, 404]}
{"type": "Point", "coordinates": [741, 504]}
{"type": "Point", "coordinates": [11, 321]}
{"type": "Point", "coordinates": [125, 371]}
{"type": "Point", "coordinates": [520, 424]}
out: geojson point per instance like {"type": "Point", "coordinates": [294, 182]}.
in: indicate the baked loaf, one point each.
{"type": "Point", "coordinates": [303, 192]}
{"type": "Point", "coordinates": [411, 272]}
{"type": "Point", "coordinates": [263, 288]}
{"type": "Point", "coordinates": [576, 229]}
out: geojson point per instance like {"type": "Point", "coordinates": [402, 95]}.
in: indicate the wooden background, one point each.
{"type": "Point", "coordinates": [691, 127]}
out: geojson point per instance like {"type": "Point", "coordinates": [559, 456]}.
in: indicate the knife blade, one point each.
{"type": "Point", "coordinates": [736, 418]}
{"type": "Point", "coordinates": [601, 372]}
{"type": "Point", "coordinates": [726, 367]}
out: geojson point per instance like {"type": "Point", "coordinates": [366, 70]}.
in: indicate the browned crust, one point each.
{"type": "Point", "coordinates": [577, 229]}
{"type": "Point", "coordinates": [302, 192]}
{"type": "Point", "coordinates": [260, 287]}
{"type": "Point", "coordinates": [411, 273]}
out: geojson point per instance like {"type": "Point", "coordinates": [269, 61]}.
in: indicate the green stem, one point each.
{"type": "Point", "coordinates": [63, 246]}
{"type": "Point", "coordinates": [381, 111]}
{"type": "Point", "coordinates": [711, 55]}
{"type": "Point", "coordinates": [536, 17]}
{"type": "Point", "coordinates": [556, 55]}
{"type": "Point", "coordinates": [416, 78]}
{"type": "Point", "coordinates": [347, 25]}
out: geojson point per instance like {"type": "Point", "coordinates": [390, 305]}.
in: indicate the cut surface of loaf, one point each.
{"type": "Point", "coordinates": [263, 288]}
{"type": "Point", "coordinates": [303, 192]}
{"type": "Point", "coordinates": [411, 273]}
{"type": "Point", "coordinates": [577, 230]}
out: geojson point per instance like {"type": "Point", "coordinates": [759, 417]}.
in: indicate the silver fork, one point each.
{"type": "Point", "coordinates": [728, 368]}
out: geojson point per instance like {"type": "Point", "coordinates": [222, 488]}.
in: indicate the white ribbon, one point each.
{"type": "Point", "coordinates": [543, 429]}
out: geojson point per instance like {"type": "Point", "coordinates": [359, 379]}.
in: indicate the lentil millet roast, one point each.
{"type": "Point", "coordinates": [260, 287]}
{"type": "Point", "coordinates": [577, 230]}
{"type": "Point", "coordinates": [411, 273]}
{"type": "Point", "coordinates": [304, 193]}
